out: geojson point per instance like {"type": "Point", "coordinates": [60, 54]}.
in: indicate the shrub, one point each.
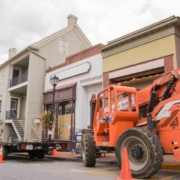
{"type": "Point", "coordinates": [46, 120]}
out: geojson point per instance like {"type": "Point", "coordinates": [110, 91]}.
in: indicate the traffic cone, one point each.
{"type": "Point", "coordinates": [54, 153]}
{"type": "Point", "coordinates": [125, 173]}
{"type": "Point", "coordinates": [1, 155]}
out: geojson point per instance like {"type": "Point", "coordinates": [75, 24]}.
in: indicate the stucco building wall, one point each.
{"type": "Point", "coordinates": [35, 89]}
{"type": "Point", "coordinates": [87, 83]}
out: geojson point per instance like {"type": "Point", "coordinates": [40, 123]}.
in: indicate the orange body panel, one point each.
{"type": "Point", "coordinates": [127, 109]}
{"type": "Point", "coordinates": [106, 133]}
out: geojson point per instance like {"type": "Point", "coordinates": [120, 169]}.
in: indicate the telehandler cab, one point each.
{"type": "Point", "coordinates": [146, 122]}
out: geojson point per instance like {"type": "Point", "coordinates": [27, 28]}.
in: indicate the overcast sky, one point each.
{"type": "Point", "coordinates": [24, 22]}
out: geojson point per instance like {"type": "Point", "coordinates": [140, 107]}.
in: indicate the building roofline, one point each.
{"type": "Point", "coordinates": [89, 52]}
{"type": "Point", "coordinates": [45, 40]}
{"type": "Point", "coordinates": [160, 24]}
{"type": "Point", "coordinates": [35, 46]}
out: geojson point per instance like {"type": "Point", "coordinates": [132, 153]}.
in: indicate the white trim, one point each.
{"type": "Point", "coordinates": [18, 86]}
{"type": "Point", "coordinates": [73, 71]}
{"type": "Point", "coordinates": [137, 68]}
{"type": "Point", "coordinates": [165, 110]}
{"type": "Point", "coordinates": [18, 107]}
{"type": "Point", "coordinates": [89, 83]}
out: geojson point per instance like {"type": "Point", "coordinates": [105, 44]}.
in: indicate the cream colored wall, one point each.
{"type": "Point", "coordinates": [148, 51]}
{"type": "Point", "coordinates": [4, 85]}
{"type": "Point", "coordinates": [4, 97]}
{"type": "Point", "coordinates": [9, 131]}
{"type": "Point", "coordinates": [34, 98]}
{"type": "Point", "coordinates": [51, 50]}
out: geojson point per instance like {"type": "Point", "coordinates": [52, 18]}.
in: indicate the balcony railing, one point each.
{"type": "Point", "coordinates": [19, 79]}
{"type": "Point", "coordinates": [11, 115]}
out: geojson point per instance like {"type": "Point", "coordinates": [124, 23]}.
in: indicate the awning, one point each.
{"type": "Point", "coordinates": [61, 87]}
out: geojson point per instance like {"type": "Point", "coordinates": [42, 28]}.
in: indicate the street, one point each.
{"type": "Point", "coordinates": [22, 168]}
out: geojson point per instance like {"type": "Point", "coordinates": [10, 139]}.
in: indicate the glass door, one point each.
{"type": "Point", "coordinates": [14, 108]}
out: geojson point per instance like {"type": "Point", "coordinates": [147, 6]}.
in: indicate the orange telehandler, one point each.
{"type": "Point", "coordinates": [146, 122]}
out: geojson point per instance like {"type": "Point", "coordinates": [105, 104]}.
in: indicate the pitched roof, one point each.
{"type": "Point", "coordinates": [53, 36]}
{"type": "Point", "coordinates": [35, 46]}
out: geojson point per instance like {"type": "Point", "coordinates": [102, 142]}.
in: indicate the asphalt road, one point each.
{"type": "Point", "coordinates": [22, 168]}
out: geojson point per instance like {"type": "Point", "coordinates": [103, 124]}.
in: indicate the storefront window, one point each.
{"type": "Point", "coordinates": [65, 119]}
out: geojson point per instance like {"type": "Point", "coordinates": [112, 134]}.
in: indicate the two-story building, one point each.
{"type": "Point", "coordinates": [22, 79]}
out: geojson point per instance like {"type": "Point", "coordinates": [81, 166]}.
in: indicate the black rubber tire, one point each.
{"type": "Point", "coordinates": [40, 154]}
{"type": "Point", "coordinates": [88, 150]}
{"type": "Point", "coordinates": [5, 152]}
{"type": "Point", "coordinates": [31, 154]}
{"type": "Point", "coordinates": [151, 152]}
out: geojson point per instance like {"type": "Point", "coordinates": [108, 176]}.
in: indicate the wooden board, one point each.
{"type": "Point", "coordinates": [64, 132]}
{"type": "Point", "coordinates": [64, 120]}
{"type": "Point", "coordinates": [64, 125]}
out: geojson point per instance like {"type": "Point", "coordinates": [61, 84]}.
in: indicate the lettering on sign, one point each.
{"type": "Point", "coordinates": [164, 114]}
{"type": "Point", "coordinates": [125, 103]}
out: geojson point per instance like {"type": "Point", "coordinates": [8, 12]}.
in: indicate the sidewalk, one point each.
{"type": "Point", "coordinates": [109, 158]}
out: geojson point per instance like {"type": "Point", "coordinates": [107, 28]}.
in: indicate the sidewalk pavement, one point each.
{"type": "Point", "coordinates": [109, 158]}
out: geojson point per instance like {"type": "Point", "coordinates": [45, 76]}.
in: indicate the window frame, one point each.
{"type": "Point", "coordinates": [63, 46]}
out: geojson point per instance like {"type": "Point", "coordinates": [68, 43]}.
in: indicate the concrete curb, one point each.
{"type": "Point", "coordinates": [64, 159]}
{"type": "Point", "coordinates": [170, 166]}
{"type": "Point", "coordinates": [109, 162]}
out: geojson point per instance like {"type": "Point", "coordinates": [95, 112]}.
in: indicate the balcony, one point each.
{"type": "Point", "coordinates": [11, 115]}
{"type": "Point", "coordinates": [19, 80]}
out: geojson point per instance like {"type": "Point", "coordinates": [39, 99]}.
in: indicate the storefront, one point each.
{"type": "Point", "coordinates": [79, 77]}
{"type": "Point", "coordinates": [63, 128]}
{"type": "Point", "coordinates": [138, 58]}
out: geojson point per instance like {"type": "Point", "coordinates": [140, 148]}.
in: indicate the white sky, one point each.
{"type": "Point", "coordinates": [25, 22]}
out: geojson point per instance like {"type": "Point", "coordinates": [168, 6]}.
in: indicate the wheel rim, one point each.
{"type": "Point", "coordinates": [137, 152]}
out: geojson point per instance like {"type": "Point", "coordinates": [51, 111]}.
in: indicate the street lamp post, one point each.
{"type": "Point", "coordinates": [53, 80]}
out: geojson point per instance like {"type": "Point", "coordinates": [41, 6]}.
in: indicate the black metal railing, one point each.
{"type": "Point", "coordinates": [18, 80]}
{"type": "Point", "coordinates": [11, 115]}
